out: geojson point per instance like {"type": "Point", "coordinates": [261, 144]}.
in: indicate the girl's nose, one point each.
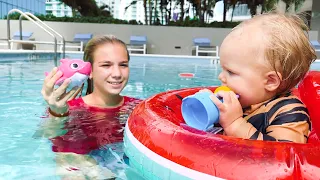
{"type": "Point", "coordinates": [116, 72]}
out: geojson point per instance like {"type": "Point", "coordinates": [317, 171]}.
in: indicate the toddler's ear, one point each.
{"type": "Point", "coordinates": [273, 81]}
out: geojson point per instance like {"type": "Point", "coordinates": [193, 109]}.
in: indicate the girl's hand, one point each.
{"type": "Point", "coordinates": [230, 109]}
{"type": "Point", "coordinates": [57, 98]}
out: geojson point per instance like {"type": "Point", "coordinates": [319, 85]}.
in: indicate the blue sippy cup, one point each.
{"type": "Point", "coordinates": [199, 111]}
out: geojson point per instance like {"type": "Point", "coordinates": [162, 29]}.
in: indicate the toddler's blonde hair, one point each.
{"type": "Point", "coordinates": [287, 47]}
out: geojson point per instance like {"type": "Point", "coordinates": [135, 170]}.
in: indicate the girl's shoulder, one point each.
{"type": "Point", "coordinates": [77, 102]}
{"type": "Point", "coordinates": [131, 99]}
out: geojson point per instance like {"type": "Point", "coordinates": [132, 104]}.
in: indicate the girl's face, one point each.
{"type": "Point", "coordinates": [110, 69]}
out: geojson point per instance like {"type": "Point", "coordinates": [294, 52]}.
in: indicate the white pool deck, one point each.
{"type": "Point", "coordinates": [213, 59]}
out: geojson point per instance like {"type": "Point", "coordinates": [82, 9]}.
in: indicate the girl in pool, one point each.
{"type": "Point", "coordinates": [94, 120]}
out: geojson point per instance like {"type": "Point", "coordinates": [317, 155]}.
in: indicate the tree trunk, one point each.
{"type": "Point", "coordinates": [287, 7]}
{"type": "Point", "coordinates": [161, 11]}
{"type": "Point", "coordinates": [155, 11]}
{"type": "Point", "coordinates": [73, 12]}
{"type": "Point", "coordinates": [150, 12]}
{"type": "Point", "coordinates": [85, 8]}
{"type": "Point", "coordinates": [203, 10]}
{"type": "Point", "coordinates": [233, 7]}
{"type": "Point", "coordinates": [253, 9]}
{"type": "Point", "coordinates": [198, 10]}
{"type": "Point", "coordinates": [169, 12]}
{"type": "Point", "coordinates": [145, 12]}
{"type": "Point", "coordinates": [224, 12]}
{"type": "Point", "coordinates": [182, 10]}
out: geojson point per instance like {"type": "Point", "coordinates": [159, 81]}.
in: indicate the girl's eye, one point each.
{"type": "Point", "coordinates": [106, 65]}
{"type": "Point", "coordinates": [124, 65]}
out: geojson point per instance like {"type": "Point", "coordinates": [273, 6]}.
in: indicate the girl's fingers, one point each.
{"type": "Point", "coordinates": [50, 74]}
{"type": "Point", "coordinates": [47, 87]}
{"type": "Point", "coordinates": [51, 82]}
{"type": "Point", "coordinates": [61, 90]}
{"type": "Point", "coordinates": [76, 93]}
{"type": "Point", "coordinates": [70, 94]}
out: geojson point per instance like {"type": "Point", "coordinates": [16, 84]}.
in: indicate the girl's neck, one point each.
{"type": "Point", "coordinates": [103, 100]}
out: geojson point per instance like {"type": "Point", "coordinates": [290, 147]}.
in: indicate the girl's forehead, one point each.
{"type": "Point", "coordinates": [111, 53]}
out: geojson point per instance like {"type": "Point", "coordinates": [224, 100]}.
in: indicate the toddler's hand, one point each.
{"type": "Point", "coordinates": [230, 109]}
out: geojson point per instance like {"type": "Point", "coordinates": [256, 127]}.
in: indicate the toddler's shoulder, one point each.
{"type": "Point", "coordinates": [286, 105]}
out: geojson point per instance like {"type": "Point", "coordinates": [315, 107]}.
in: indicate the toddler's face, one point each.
{"type": "Point", "coordinates": [244, 68]}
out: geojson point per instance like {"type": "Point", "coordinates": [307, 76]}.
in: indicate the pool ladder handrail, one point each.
{"type": "Point", "coordinates": [47, 26]}
{"type": "Point", "coordinates": [27, 16]}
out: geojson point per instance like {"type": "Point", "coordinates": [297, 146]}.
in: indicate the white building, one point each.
{"type": "Point", "coordinates": [59, 9]}
{"type": "Point", "coordinates": [117, 8]}
{"type": "Point", "coordinates": [110, 3]}
{"type": "Point", "coordinates": [136, 11]}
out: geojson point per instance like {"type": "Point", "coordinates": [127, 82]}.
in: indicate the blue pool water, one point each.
{"type": "Point", "coordinates": [24, 155]}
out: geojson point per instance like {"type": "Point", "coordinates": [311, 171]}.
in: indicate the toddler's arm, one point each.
{"type": "Point", "coordinates": [288, 122]}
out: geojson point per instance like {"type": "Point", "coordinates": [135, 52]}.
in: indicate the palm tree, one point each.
{"type": "Point", "coordinates": [233, 4]}
{"type": "Point", "coordinates": [209, 8]}
{"type": "Point", "coordinates": [268, 5]}
{"type": "Point", "coordinates": [181, 2]}
{"type": "Point", "coordinates": [163, 6]}
{"type": "Point", "coordinates": [297, 4]}
{"type": "Point", "coordinates": [144, 6]}
{"type": "Point", "coordinates": [150, 4]}
{"type": "Point", "coordinates": [203, 7]}
{"type": "Point", "coordinates": [86, 8]}
{"type": "Point", "coordinates": [196, 4]}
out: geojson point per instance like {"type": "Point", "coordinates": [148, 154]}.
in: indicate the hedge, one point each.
{"type": "Point", "coordinates": [109, 20]}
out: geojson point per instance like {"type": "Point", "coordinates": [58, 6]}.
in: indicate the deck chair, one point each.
{"type": "Point", "coordinates": [25, 36]}
{"type": "Point", "coordinates": [202, 46]}
{"type": "Point", "coordinates": [79, 42]}
{"type": "Point", "coordinates": [138, 44]}
{"type": "Point", "coordinates": [316, 45]}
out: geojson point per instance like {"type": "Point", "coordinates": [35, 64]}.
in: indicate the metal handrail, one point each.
{"type": "Point", "coordinates": [38, 20]}
{"type": "Point", "coordinates": [34, 42]}
{"type": "Point", "coordinates": [20, 28]}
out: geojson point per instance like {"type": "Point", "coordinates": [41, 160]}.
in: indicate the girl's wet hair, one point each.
{"type": "Point", "coordinates": [286, 45]}
{"type": "Point", "coordinates": [91, 47]}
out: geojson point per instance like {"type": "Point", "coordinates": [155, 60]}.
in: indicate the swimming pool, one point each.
{"type": "Point", "coordinates": [23, 155]}
{"type": "Point", "coordinates": [26, 156]}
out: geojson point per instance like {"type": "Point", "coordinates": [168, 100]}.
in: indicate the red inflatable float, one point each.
{"type": "Point", "coordinates": [186, 75]}
{"type": "Point", "coordinates": [155, 124]}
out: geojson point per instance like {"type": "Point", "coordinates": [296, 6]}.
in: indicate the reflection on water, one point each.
{"type": "Point", "coordinates": [88, 143]}
{"type": "Point", "coordinates": [27, 141]}
{"type": "Point", "coordinates": [112, 157]}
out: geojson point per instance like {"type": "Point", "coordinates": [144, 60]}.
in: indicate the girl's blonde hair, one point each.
{"type": "Point", "coordinates": [91, 47]}
{"type": "Point", "coordinates": [287, 47]}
